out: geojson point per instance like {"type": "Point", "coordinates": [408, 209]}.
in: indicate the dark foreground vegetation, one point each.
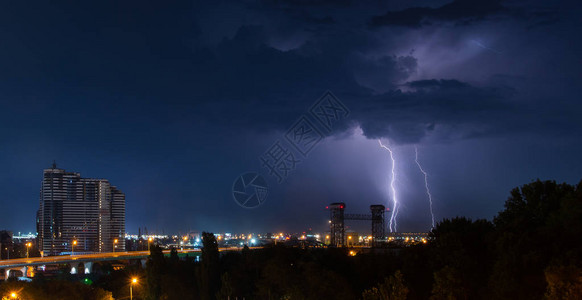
{"type": "Point", "coordinates": [531, 250]}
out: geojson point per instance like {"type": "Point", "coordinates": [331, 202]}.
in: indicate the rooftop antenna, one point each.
{"type": "Point", "coordinates": [54, 164]}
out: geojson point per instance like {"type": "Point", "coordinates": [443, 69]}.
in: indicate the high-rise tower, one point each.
{"type": "Point", "coordinates": [88, 211]}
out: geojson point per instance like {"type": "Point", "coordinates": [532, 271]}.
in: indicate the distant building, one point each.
{"type": "Point", "coordinates": [5, 243]}
{"type": "Point", "coordinates": [88, 211]}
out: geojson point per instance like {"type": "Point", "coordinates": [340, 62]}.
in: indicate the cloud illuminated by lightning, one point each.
{"type": "Point", "coordinates": [425, 183]}
{"type": "Point", "coordinates": [393, 217]}
{"type": "Point", "coordinates": [485, 47]}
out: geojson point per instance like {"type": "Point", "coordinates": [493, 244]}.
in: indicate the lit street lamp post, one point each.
{"type": "Point", "coordinates": [12, 295]}
{"type": "Point", "coordinates": [73, 244]}
{"type": "Point", "coordinates": [185, 239]}
{"type": "Point", "coordinates": [149, 241]}
{"type": "Point", "coordinates": [27, 247]}
{"type": "Point", "coordinates": [114, 244]}
{"type": "Point", "coordinates": [133, 280]}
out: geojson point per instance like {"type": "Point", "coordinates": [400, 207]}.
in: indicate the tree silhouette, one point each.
{"type": "Point", "coordinates": [536, 230]}
{"type": "Point", "coordinates": [393, 288]}
{"type": "Point", "coordinates": [155, 270]}
{"type": "Point", "coordinates": [450, 284]}
{"type": "Point", "coordinates": [209, 271]}
{"type": "Point", "coordinates": [564, 282]}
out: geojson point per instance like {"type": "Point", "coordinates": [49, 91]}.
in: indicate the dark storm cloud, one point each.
{"type": "Point", "coordinates": [456, 110]}
{"type": "Point", "coordinates": [450, 110]}
{"type": "Point", "coordinates": [382, 73]}
{"type": "Point", "coordinates": [466, 12]}
{"type": "Point", "coordinates": [374, 84]}
{"type": "Point", "coordinates": [543, 18]}
{"type": "Point", "coordinates": [246, 72]}
{"type": "Point", "coordinates": [302, 3]}
{"type": "Point", "coordinates": [433, 83]}
{"type": "Point", "coordinates": [303, 15]}
{"type": "Point", "coordinates": [283, 84]}
{"type": "Point", "coordinates": [458, 11]}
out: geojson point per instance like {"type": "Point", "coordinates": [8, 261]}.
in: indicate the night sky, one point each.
{"type": "Point", "coordinates": [172, 102]}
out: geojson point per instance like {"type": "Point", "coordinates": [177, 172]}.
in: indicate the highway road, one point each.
{"type": "Point", "coordinates": [63, 259]}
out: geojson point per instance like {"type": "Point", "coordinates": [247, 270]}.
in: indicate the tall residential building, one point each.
{"type": "Point", "coordinates": [88, 211]}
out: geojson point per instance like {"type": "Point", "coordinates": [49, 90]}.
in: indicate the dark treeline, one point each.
{"type": "Point", "coordinates": [531, 250]}
{"type": "Point", "coordinates": [54, 289]}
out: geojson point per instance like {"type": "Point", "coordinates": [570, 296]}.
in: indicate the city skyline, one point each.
{"type": "Point", "coordinates": [299, 230]}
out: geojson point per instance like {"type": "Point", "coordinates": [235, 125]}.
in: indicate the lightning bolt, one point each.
{"type": "Point", "coordinates": [425, 183]}
{"type": "Point", "coordinates": [393, 217]}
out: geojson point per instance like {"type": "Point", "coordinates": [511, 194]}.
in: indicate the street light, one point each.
{"type": "Point", "coordinates": [114, 244]}
{"type": "Point", "coordinates": [13, 295]}
{"type": "Point", "coordinates": [73, 247]}
{"type": "Point", "coordinates": [27, 247]}
{"type": "Point", "coordinates": [133, 281]}
{"type": "Point", "coordinates": [149, 241]}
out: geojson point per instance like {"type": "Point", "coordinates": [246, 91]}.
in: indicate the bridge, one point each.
{"type": "Point", "coordinates": [25, 265]}
{"type": "Point", "coordinates": [337, 218]}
